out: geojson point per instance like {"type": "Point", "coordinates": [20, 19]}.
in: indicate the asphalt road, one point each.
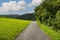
{"type": "Point", "coordinates": [33, 32]}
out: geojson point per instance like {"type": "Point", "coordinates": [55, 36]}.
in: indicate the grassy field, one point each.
{"type": "Point", "coordinates": [10, 28]}
{"type": "Point", "coordinates": [51, 33]}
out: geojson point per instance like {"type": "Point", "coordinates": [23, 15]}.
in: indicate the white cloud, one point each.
{"type": "Point", "coordinates": [13, 6]}
{"type": "Point", "coordinates": [18, 6]}
{"type": "Point", "coordinates": [35, 2]}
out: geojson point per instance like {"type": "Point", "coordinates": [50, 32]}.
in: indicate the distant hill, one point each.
{"type": "Point", "coordinates": [27, 16]}
{"type": "Point", "coordinates": [9, 16]}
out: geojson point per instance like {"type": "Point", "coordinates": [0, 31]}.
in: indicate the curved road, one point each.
{"type": "Point", "coordinates": [33, 32]}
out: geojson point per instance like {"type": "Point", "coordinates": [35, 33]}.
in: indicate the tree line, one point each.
{"type": "Point", "coordinates": [48, 12]}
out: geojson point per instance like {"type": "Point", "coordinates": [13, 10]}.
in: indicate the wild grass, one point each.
{"type": "Point", "coordinates": [49, 31]}
{"type": "Point", "coordinates": [10, 28]}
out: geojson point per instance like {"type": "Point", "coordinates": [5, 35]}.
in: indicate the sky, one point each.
{"type": "Point", "coordinates": [18, 6]}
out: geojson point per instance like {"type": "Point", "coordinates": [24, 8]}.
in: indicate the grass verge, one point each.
{"type": "Point", "coordinates": [10, 28]}
{"type": "Point", "coordinates": [51, 33]}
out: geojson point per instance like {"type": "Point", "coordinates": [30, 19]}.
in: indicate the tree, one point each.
{"type": "Point", "coordinates": [48, 12]}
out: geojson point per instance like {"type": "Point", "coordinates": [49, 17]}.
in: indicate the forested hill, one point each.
{"type": "Point", "coordinates": [27, 16]}
{"type": "Point", "coordinates": [9, 15]}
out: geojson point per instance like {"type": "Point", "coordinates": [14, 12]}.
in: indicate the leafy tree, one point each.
{"type": "Point", "coordinates": [48, 12]}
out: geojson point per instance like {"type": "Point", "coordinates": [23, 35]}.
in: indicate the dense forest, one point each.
{"type": "Point", "coordinates": [48, 12]}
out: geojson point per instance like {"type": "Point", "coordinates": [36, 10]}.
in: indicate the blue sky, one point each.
{"type": "Point", "coordinates": [1, 1]}
{"type": "Point", "coordinates": [18, 6]}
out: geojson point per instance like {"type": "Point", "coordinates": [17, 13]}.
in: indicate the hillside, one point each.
{"type": "Point", "coordinates": [27, 16]}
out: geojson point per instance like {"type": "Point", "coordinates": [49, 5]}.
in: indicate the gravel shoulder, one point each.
{"type": "Point", "coordinates": [33, 32]}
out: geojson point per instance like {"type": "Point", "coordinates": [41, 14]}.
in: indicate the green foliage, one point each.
{"type": "Point", "coordinates": [10, 28]}
{"type": "Point", "coordinates": [49, 13]}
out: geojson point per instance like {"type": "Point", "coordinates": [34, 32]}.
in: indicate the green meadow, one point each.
{"type": "Point", "coordinates": [10, 28]}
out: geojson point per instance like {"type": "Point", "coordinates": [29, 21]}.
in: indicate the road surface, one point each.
{"type": "Point", "coordinates": [33, 32]}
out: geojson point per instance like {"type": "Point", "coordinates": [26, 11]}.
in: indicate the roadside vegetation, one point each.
{"type": "Point", "coordinates": [49, 31]}
{"type": "Point", "coordinates": [48, 15]}
{"type": "Point", "coordinates": [10, 28]}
